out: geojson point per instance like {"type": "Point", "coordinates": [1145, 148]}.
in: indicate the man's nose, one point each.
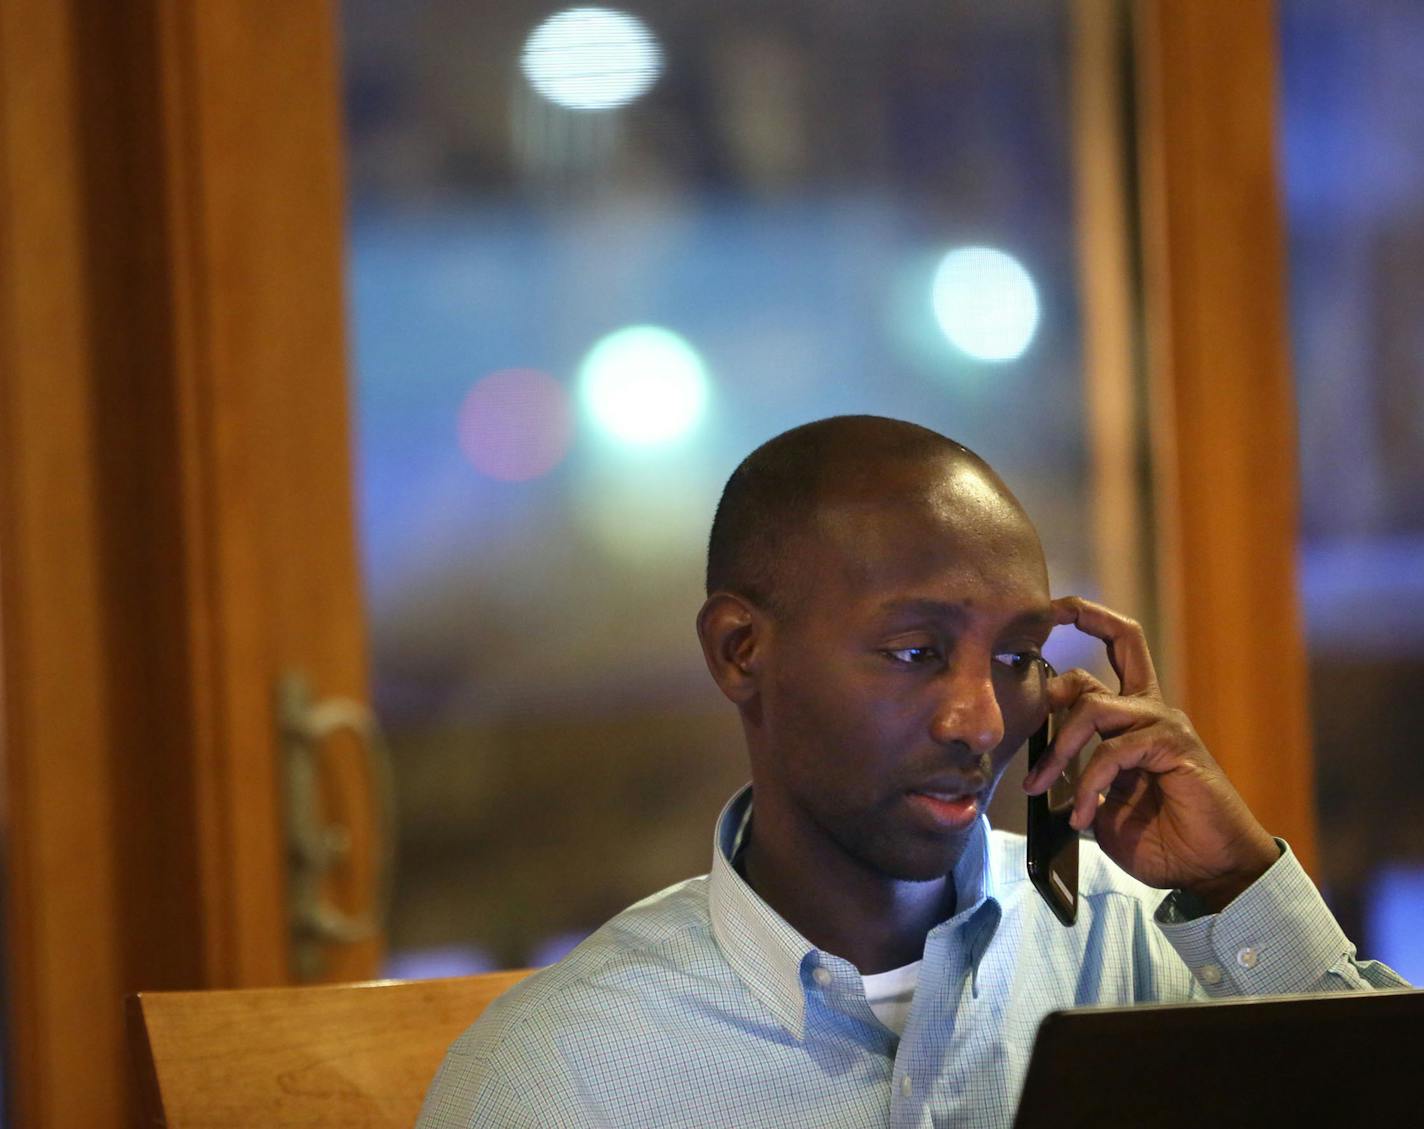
{"type": "Point", "coordinates": [968, 712]}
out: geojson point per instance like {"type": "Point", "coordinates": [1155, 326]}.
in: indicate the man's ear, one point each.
{"type": "Point", "coordinates": [733, 635]}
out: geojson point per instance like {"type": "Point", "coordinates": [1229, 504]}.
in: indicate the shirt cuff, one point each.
{"type": "Point", "coordinates": [1276, 938]}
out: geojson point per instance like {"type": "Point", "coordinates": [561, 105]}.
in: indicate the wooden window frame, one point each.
{"type": "Point", "coordinates": [175, 503]}
{"type": "Point", "coordinates": [176, 517]}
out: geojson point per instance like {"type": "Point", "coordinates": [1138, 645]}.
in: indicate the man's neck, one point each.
{"type": "Point", "coordinates": [842, 907]}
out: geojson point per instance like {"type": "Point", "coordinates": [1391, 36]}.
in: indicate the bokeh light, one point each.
{"type": "Point", "coordinates": [1394, 914]}
{"type": "Point", "coordinates": [644, 385]}
{"type": "Point", "coordinates": [591, 58]}
{"type": "Point", "coordinates": [516, 424]}
{"type": "Point", "coordinates": [438, 962]}
{"type": "Point", "coordinates": [985, 303]}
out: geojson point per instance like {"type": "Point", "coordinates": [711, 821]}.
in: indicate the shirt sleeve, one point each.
{"type": "Point", "coordinates": [1276, 938]}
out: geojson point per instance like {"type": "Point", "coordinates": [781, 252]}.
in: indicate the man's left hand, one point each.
{"type": "Point", "coordinates": [1158, 804]}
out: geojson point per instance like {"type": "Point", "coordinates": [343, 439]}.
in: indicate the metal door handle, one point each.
{"type": "Point", "coordinates": [315, 847]}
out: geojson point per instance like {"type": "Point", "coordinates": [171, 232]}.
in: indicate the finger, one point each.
{"type": "Point", "coordinates": [1127, 645]}
{"type": "Point", "coordinates": [1065, 689]}
{"type": "Point", "coordinates": [1102, 713]}
{"type": "Point", "coordinates": [1105, 715]}
{"type": "Point", "coordinates": [1112, 758]}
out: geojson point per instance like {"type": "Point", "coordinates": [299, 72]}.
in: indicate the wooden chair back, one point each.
{"type": "Point", "coordinates": [359, 1055]}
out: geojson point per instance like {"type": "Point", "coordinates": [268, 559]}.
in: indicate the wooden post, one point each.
{"type": "Point", "coordinates": [176, 517]}
{"type": "Point", "coordinates": [1222, 400]}
{"type": "Point", "coordinates": [1113, 389]}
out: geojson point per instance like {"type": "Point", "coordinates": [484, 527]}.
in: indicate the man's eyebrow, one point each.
{"type": "Point", "coordinates": [1035, 617]}
{"type": "Point", "coordinates": [957, 609]}
{"type": "Point", "coordinates": [925, 606]}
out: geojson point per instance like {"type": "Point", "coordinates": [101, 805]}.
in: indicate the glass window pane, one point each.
{"type": "Point", "coordinates": [595, 260]}
{"type": "Point", "coordinates": [1353, 147]}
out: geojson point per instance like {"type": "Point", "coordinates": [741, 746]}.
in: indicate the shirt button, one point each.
{"type": "Point", "coordinates": [1210, 974]}
{"type": "Point", "coordinates": [1246, 958]}
{"type": "Point", "coordinates": [821, 976]}
{"type": "Point", "coordinates": [905, 1085]}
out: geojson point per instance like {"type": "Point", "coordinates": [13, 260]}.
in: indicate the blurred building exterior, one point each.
{"type": "Point", "coordinates": [779, 198]}
{"type": "Point", "coordinates": [1353, 169]}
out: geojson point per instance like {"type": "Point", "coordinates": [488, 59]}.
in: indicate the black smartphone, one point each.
{"type": "Point", "coordinates": [1052, 842]}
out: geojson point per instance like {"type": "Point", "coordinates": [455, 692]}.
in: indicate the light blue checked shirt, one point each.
{"type": "Point", "coordinates": [701, 1007]}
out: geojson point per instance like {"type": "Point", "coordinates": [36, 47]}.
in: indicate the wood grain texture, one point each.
{"type": "Point", "coordinates": [63, 913]}
{"type": "Point", "coordinates": [253, 170]}
{"type": "Point", "coordinates": [176, 518]}
{"type": "Point", "coordinates": [356, 1055]}
{"type": "Point", "coordinates": [1223, 404]}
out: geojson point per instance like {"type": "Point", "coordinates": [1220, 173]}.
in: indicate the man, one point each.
{"type": "Point", "coordinates": [865, 951]}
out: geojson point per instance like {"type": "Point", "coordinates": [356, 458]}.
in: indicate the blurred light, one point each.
{"type": "Point", "coordinates": [433, 964]}
{"type": "Point", "coordinates": [1364, 595]}
{"type": "Point", "coordinates": [591, 58]}
{"type": "Point", "coordinates": [515, 424]}
{"type": "Point", "coordinates": [644, 385]}
{"type": "Point", "coordinates": [553, 949]}
{"type": "Point", "coordinates": [985, 303]}
{"type": "Point", "coordinates": [1394, 920]}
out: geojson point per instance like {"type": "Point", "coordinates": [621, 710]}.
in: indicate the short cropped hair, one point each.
{"type": "Point", "coordinates": [778, 488]}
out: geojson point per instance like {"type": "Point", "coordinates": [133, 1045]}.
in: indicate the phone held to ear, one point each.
{"type": "Point", "coordinates": [1052, 842]}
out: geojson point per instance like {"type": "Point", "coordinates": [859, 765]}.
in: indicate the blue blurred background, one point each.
{"type": "Point", "coordinates": [597, 256]}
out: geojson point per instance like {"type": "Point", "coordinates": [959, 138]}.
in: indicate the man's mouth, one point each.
{"type": "Point", "coordinates": [949, 809]}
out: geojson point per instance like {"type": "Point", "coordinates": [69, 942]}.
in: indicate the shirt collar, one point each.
{"type": "Point", "coordinates": [770, 956]}
{"type": "Point", "coordinates": [765, 951]}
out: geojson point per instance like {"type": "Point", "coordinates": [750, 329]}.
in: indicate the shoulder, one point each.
{"type": "Point", "coordinates": [577, 1019]}
{"type": "Point", "coordinates": [623, 964]}
{"type": "Point", "coordinates": [602, 1029]}
{"type": "Point", "coordinates": [1098, 875]}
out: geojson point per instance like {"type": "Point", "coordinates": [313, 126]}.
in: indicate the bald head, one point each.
{"type": "Point", "coordinates": [790, 483]}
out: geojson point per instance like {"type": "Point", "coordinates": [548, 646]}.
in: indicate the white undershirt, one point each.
{"type": "Point", "coordinates": [889, 995]}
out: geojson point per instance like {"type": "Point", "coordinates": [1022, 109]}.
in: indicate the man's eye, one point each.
{"type": "Point", "coordinates": [913, 656]}
{"type": "Point", "coordinates": [1018, 660]}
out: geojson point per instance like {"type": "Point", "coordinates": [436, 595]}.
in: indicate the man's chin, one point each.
{"type": "Point", "coordinates": [903, 843]}
{"type": "Point", "coordinates": [922, 861]}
